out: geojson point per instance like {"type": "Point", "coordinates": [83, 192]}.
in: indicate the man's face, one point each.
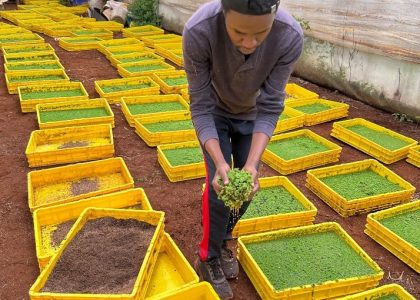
{"type": "Point", "coordinates": [247, 32]}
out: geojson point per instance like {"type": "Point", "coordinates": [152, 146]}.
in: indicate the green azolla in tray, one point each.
{"type": "Point", "coordinates": [308, 259]}
{"type": "Point", "coordinates": [72, 114]}
{"type": "Point", "coordinates": [141, 68]}
{"type": "Point", "coordinates": [406, 225]}
{"type": "Point", "coordinates": [147, 108]}
{"type": "Point", "coordinates": [81, 41]}
{"type": "Point", "coordinates": [283, 117]}
{"type": "Point", "coordinates": [361, 184]}
{"type": "Point", "coordinates": [135, 59]}
{"type": "Point", "coordinates": [31, 58]}
{"type": "Point", "coordinates": [176, 81]}
{"type": "Point", "coordinates": [51, 94]}
{"type": "Point", "coordinates": [169, 126]}
{"type": "Point", "coordinates": [16, 39]}
{"type": "Point", "coordinates": [124, 87]}
{"type": "Point", "coordinates": [272, 201]}
{"type": "Point", "coordinates": [30, 49]}
{"type": "Point", "coordinates": [388, 297]}
{"type": "Point", "coordinates": [40, 78]}
{"type": "Point", "coordinates": [312, 108]}
{"type": "Point", "coordinates": [296, 147]}
{"type": "Point", "coordinates": [35, 66]}
{"type": "Point", "coordinates": [87, 32]}
{"type": "Point", "coordinates": [183, 156]}
{"type": "Point", "coordinates": [381, 138]}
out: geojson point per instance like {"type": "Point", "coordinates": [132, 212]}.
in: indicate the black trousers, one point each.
{"type": "Point", "coordinates": [235, 138]}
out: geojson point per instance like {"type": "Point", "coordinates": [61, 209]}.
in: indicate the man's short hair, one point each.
{"type": "Point", "coordinates": [251, 7]}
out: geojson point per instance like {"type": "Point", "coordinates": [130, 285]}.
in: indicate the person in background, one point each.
{"type": "Point", "coordinates": [238, 55]}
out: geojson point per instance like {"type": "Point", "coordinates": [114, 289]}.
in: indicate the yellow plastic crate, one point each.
{"type": "Point", "coordinates": [114, 96]}
{"type": "Point", "coordinates": [296, 92]}
{"type": "Point", "coordinates": [33, 48]}
{"type": "Point", "coordinates": [182, 172]}
{"type": "Point", "coordinates": [125, 49]}
{"type": "Point", "coordinates": [99, 33]}
{"type": "Point", "coordinates": [202, 291]}
{"type": "Point", "coordinates": [124, 69]}
{"type": "Point", "coordinates": [414, 156]}
{"type": "Point", "coordinates": [153, 139]}
{"type": "Point", "coordinates": [382, 291]}
{"type": "Point", "coordinates": [361, 205]}
{"type": "Point", "coordinates": [153, 40]}
{"type": "Point", "coordinates": [77, 10]}
{"type": "Point", "coordinates": [139, 31]}
{"type": "Point", "coordinates": [125, 42]}
{"type": "Point", "coordinates": [127, 101]}
{"type": "Point", "coordinates": [337, 110]}
{"type": "Point", "coordinates": [294, 119]}
{"type": "Point", "coordinates": [79, 43]}
{"type": "Point", "coordinates": [286, 167]}
{"type": "Point", "coordinates": [61, 16]}
{"type": "Point", "coordinates": [281, 220]}
{"type": "Point", "coordinates": [109, 25]}
{"type": "Point", "coordinates": [22, 39]}
{"type": "Point", "coordinates": [175, 56]}
{"type": "Point", "coordinates": [28, 103]}
{"type": "Point", "coordinates": [76, 106]}
{"type": "Point", "coordinates": [40, 27]}
{"type": "Point", "coordinates": [325, 290]}
{"type": "Point", "coordinates": [171, 273]}
{"type": "Point", "coordinates": [163, 48]}
{"type": "Point", "coordinates": [154, 218]}
{"type": "Point", "coordinates": [33, 66]}
{"type": "Point", "coordinates": [16, 79]}
{"type": "Point", "coordinates": [46, 220]}
{"type": "Point", "coordinates": [185, 95]}
{"type": "Point", "coordinates": [61, 30]}
{"type": "Point", "coordinates": [159, 78]}
{"type": "Point", "coordinates": [401, 248]}
{"type": "Point", "coordinates": [371, 148]}
{"type": "Point", "coordinates": [69, 145]}
{"type": "Point", "coordinates": [31, 24]}
{"type": "Point", "coordinates": [53, 186]}
{"type": "Point", "coordinates": [13, 30]}
{"type": "Point", "coordinates": [119, 59]}
{"type": "Point", "coordinates": [30, 56]}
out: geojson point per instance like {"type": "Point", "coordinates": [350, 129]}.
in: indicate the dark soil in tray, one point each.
{"type": "Point", "coordinates": [60, 233]}
{"type": "Point", "coordinates": [84, 186]}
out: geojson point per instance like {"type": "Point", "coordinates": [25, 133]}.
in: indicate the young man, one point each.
{"type": "Point", "coordinates": [238, 55]}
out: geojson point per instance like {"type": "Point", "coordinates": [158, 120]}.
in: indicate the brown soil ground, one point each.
{"type": "Point", "coordinates": [181, 201]}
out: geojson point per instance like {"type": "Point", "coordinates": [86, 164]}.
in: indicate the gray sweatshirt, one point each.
{"type": "Point", "coordinates": [222, 82]}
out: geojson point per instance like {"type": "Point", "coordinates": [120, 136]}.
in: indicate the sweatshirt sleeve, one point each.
{"type": "Point", "coordinates": [202, 99]}
{"type": "Point", "coordinates": [270, 102]}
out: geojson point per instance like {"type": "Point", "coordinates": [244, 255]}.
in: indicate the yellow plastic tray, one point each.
{"type": "Point", "coordinates": [163, 48]}
{"type": "Point", "coordinates": [141, 56]}
{"type": "Point", "coordinates": [185, 95]}
{"type": "Point", "coordinates": [182, 172]}
{"type": "Point", "coordinates": [159, 78]}
{"type": "Point", "coordinates": [124, 71]}
{"type": "Point", "coordinates": [23, 39]}
{"type": "Point", "coordinates": [154, 218]}
{"type": "Point", "coordinates": [361, 205]}
{"type": "Point", "coordinates": [61, 30]}
{"type": "Point", "coordinates": [373, 149]}
{"type": "Point", "coordinates": [171, 273]}
{"type": "Point", "coordinates": [33, 66]}
{"type": "Point", "coordinates": [139, 31]}
{"type": "Point", "coordinates": [104, 45]}
{"type": "Point", "coordinates": [402, 249]}
{"type": "Point", "coordinates": [382, 291]}
{"type": "Point", "coordinates": [115, 96]}
{"type": "Point", "coordinates": [132, 46]}
{"type": "Point", "coordinates": [62, 16]}
{"type": "Point", "coordinates": [52, 186]}
{"type": "Point", "coordinates": [296, 92]}
{"type": "Point", "coordinates": [75, 105]}
{"type": "Point", "coordinates": [69, 145]}
{"type": "Point", "coordinates": [295, 119]}
{"type": "Point", "coordinates": [279, 221]}
{"type": "Point", "coordinates": [40, 27]}
{"type": "Point", "coordinates": [153, 40]}
{"type": "Point", "coordinates": [326, 290]}
{"type": "Point", "coordinates": [109, 25]}
{"type": "Point", "coordinates": [33, 48]}
{"type": "Point", "coordinates": [47, 219]}
{"type": "Point", "coordinates": [286, 167]}
{"type": "Point", "coordinates": [153, 139]}
{"type": "Point", "coordinates": [16, 79]}
{"type": "Point", "coordinates": [29, 105]}
{"type": "Point", "coordinates": [337, 110]}
{"type": "Point", "coordinates": [175, 56]}
{"type": "Point", "coordinates": [79, 43]}
{"type": "Point", "coordinates": [414, 156]}
{"type": "Point", "coordinates": [127, 101]}
{"type": "Point", "coordinates": [30, 56]}
{"type": "Point", "coordinates": [13, 30]}
{"type": "Point", "coordinates": [97, 32]}
{"type": "Point", "coordinates": [202, 291]}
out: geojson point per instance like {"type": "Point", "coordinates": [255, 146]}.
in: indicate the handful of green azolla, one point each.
{"type": "Point", "coordinates": [237, 191]}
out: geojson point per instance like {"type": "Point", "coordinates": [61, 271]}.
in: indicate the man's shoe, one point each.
{"type": "Point", "coordinates": [211, 272]}
{"type": "Point", "coordinates": [229, 263]}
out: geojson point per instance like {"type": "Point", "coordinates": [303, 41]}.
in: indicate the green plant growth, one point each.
{"type": "Point", "coordinates": [26, 50]}
{"type": "Point", "coordinates": [143, 68]}
{"type": "Point", "coordinates": [283, 117]}
{"type": "Point", "coordinates": [16, 39]}
{"type": "Point", "coordinates": [272, 201]}
{"type": "Point", "coordinates": [144, 12]}
{"type": "Point", "coordinates": [176, 81]}
{"type": "Point", "coordinates": [135, 59]}
{"type": "Point", "coordinates": [381, 138]}
{"type": "Point", "coordinates": [51, 94]}
{"type": "Point", "coordinates": [312, 108]}
{"type": "Point", "coordinates": [361, 184]}
{"type": "Point", "coordinates": [82, 40]}
{"type": "Point", "coordinates": [125, 87]}
{"type": "Point", "coordinates": [309, 259]}
{"type": "Point", "coordinates": [37, 78]}
{"type": "Point", "coordinates": [90, 31]}
{"type": "Point", "coordinates": [183, 156]}
{"type": "Point", "coordinates": [296, 147]}
{"type": "Point", "coordinates": [237, 191]}
{"type": "Point", "coordinates": [148, 108]}
{"type": "Point", "coordinates": [31, 58]}
{"type": "Point", "coordinates": [169, 126]}
{"type": "Point", "coordinates": [34, 66]}
{"type": "Point", "coordinates": [388, 297]}
{"type": "Point", "coordinates": [406, 226]}
{"type": "Point", "coordinates": [72, 114]}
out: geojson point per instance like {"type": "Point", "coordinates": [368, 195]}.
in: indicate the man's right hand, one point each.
{"type": "Point", "coordinates": [221, 173]}
{"type": "Point", "coordinates": [222, 167]}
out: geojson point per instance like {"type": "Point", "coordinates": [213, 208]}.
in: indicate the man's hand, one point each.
{"type": "Point", "coordinates": [221, 172]}
{"type": "Point", "coordinates": [254, 173]}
